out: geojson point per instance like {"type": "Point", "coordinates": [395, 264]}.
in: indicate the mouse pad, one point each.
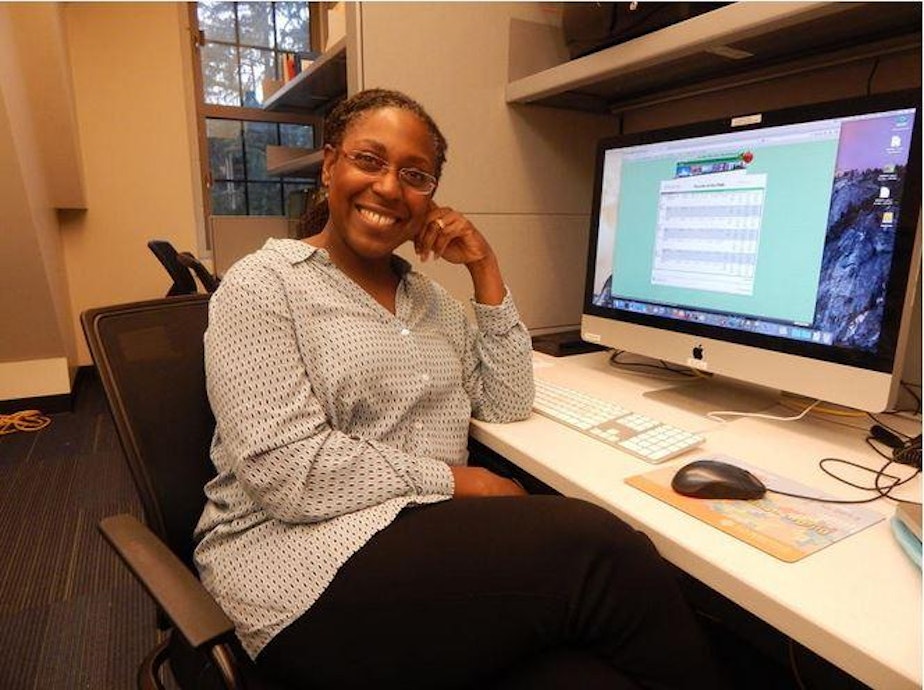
{"type": "Point", "coordinates": [785, 527]}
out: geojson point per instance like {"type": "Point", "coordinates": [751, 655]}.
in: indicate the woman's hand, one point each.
{"type": "Point", "coordinates": [450, 236]}
{"type": "Point", "coordinates": [477, 481]}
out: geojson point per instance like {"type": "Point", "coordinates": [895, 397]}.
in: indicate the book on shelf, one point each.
{"type": "Point", "coordinates": [293, 64]}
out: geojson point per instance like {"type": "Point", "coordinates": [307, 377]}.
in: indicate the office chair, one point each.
{"type": "Point", "coordinates": [182, 266]}
{"type": "Point", "coordinates": [149, 356]}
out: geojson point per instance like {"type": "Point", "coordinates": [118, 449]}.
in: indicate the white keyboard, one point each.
{"type": "Point", "coordinates": [606, 421]}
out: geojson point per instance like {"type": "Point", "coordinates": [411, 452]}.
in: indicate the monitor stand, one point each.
{"type": "Point", "coordinates": [715, 394]}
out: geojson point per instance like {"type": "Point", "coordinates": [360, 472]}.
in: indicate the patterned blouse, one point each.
{"type": "Point", "coordinates": [332, 414]}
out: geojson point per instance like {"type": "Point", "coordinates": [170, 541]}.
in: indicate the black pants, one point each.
{"type": "Point", "coordinates": [530, 592]}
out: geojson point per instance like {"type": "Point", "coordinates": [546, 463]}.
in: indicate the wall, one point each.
{"type": "Point", "coordinates": [132, 96]}
{"type": "Point", "coordinates": [40, 170]}
{"type": "Point", "coordinates": [97, 144]}
{"type": "Point", "coordinates": [522, 176]}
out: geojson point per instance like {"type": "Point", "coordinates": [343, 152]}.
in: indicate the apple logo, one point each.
{"type": "Point", "coordinates": [698, 352]}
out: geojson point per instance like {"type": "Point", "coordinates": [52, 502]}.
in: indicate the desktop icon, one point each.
{"type": "Point", "coordinates": [884, 192]}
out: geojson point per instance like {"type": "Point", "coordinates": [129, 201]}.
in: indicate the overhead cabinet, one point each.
{"type": "Point", "coordinates": [738, 43]}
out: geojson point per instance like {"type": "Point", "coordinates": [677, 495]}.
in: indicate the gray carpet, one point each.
{"type": "Point", "coordinates": [71, 616]}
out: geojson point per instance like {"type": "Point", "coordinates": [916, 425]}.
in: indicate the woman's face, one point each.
{"type": "Point", "coordinates": [373, 214]}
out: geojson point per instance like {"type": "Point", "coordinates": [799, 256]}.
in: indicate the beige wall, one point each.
{"type": "Point", "coordinates": [132, 105]}
{"type": "Point", "coordinates": [522, 175]}
{"type": "Point", "coordinates": [39, 170]}
{"type": "Point", "coordinates": [97, 155]}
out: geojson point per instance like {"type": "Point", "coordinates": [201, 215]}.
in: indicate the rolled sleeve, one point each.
{"type": "Point", "coordinates": [497, 319]}
{"type": "Point", "coordinates": [432, 477]}
{"type": "Point", "coordinates": [501, 372]}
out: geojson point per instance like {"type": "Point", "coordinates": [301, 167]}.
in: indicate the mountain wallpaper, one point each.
{"type": "Point", "coordinates": [857, 257]}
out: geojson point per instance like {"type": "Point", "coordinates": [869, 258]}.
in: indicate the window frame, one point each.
{"type": "Point", "coordinates": [206, 111]}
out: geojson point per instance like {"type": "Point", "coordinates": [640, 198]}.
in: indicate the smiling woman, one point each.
{"type": "Point", "coordinates": [381, 167]}
{"type": "Point", "coordinates": [373, 210]}
{"type": "Point", "coordinates": [335, 128]}
{"type": "Point", "coordinates": [345, 532]}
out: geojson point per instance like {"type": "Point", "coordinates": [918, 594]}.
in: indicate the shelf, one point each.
{"type": "Point", "coordinates": [732, 42]}
{"type": "Point", "coordinates": [293, 162]}
{"type": "Point", "coordinates": [315, 89]}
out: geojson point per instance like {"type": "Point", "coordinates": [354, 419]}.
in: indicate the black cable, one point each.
{"type": "Point", "coordinates": [906, 450]}
{"type": "Point", "coordinates": [793, 665]}
{"type": "Point", "coordinates": [893, 438]}
{"type": "Point", "coordinates": [881, 491]}
{"type": "Point", "coordinates": [869, 79]}
{"type": "Point", "coordinates": [879, 474]}
{"type": "Point", "coordinates": [909, 454]}
{"type": "Point", "coordinates": [891, 429]}
{"type": "Point", "coordinates": [660, 366]}
{"type": "Point", "coordinates": [870, 442]}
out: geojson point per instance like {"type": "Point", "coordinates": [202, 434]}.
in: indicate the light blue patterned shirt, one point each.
{"type": "Point", "coordinates": [332, 414]}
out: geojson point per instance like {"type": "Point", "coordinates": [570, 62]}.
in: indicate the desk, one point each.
{"type": "Point", "coordinates": [856, 603]}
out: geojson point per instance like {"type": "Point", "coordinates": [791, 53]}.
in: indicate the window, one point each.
{"type": "Point", "coordinates": [238, 180]}
{"type": "Point", "coordinates": [241, 48]}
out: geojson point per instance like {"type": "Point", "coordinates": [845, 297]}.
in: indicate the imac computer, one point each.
{"type": "Point", "coordinates": [779, 249]}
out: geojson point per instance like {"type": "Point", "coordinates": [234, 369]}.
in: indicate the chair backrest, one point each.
{"type": "Point", "coordinates": [183, 281]}
{"type": "Point", "coordinates": [149, 356]}
{"type": "Point", "coordinates": [209, 282]}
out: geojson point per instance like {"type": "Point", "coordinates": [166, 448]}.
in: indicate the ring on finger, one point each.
{"type": "Point", "coordinates": [441, 224]}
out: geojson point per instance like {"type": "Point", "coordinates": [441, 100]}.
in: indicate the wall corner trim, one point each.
{"type": "Point", "coordinates": [35, 378]}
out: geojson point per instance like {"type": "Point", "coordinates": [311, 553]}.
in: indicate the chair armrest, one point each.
{"type": "Point", "coordinates": [170, 583]}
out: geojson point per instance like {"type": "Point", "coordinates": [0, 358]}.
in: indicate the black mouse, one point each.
{"type": "Point", "coordinates": [715, 479]}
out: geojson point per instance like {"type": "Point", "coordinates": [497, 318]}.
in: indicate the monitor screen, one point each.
{"type": "Point", "coordinates": [777, 248]}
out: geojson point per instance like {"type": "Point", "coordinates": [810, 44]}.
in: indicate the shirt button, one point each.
{"type": "Point", "coordinates": [425, 377]}
{"type": "Point", "coordinates": [405, 331]}
{"type": "Point", "coordinates": [418, 425]}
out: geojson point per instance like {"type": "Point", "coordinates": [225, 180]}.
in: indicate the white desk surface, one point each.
{"type": "Point", "coordinates": [857, 603]}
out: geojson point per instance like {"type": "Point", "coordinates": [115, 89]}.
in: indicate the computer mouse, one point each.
{"type": "Point", "coordinates": [716, 479]}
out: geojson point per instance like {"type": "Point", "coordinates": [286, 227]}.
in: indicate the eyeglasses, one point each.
{"type": "Point", "coordinates": [415, 180]}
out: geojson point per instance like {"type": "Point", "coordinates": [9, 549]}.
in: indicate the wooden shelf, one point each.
{"type": "Point", "coordinates": [315, 90]}
{"type": "Point", "coordinates": [765, 36]}
{"type": "Point", "coordinates": [293, 162]}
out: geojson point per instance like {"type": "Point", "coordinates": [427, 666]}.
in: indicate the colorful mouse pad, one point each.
{"type": "Point", "coordinates": [782, 526]}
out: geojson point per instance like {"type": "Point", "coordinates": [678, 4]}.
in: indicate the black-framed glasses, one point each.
{"type": "Point", "coordinates": [415, 180]}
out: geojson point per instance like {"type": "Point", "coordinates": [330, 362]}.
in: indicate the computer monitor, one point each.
{"type": "Point", "coordinates": [779, 248]}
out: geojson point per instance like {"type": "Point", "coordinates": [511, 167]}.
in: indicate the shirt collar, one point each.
{"type": "Point", "coordinates": [296, 251]}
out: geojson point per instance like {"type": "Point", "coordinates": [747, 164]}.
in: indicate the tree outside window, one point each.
{"type": "Point", "coordinates": [240, 48]}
